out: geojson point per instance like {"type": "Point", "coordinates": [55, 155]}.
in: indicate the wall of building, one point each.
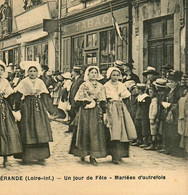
{"type": "Point", "coordinates": [73, 6]}
{"type": "Point", "coordinates": [144, 10]}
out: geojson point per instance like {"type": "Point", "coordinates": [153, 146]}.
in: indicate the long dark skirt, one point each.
{"type": "Point", "coordinates": [119, 149]}
{"type": "Point", "coordinates": [89, 137]}
{"type": "Point", "coordinates": [49, 104]}
{"type": "Point", "coordinates": [35, 125]}
{"type": "Point", "coordinates": [10, 140]}
{"type": "Point", "coordinates": [35, 130]}
{"type": "Point", "coordinates": [34, 152]}
{"type": "Point", "coordinates": [172, 139]}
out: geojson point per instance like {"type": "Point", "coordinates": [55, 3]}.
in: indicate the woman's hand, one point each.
{"type": "Point", "coordinates": [17, 115]}
{"type": "Point", "coordinates": [91, 105]}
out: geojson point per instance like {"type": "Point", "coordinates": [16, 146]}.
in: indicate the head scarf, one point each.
{"type": "Point", "coordinates": [25, 65]}
{"type": "Point", "coordinates": [110, 70]}
{"type": "Point", "coordinates": [86, 77]}
{"type": "Point", "coordinates": [5, 75]}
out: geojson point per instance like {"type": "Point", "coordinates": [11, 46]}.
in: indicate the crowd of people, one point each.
{"type": "Point", "coordinates": [107, 110]}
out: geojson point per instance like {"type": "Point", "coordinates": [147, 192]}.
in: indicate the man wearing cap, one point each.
{"type": "Point", "coordinates": [78, 80]}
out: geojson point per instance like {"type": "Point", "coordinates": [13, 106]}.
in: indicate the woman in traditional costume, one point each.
{"type": "Point", "coordinates": [89, 137]}
{"type": "Point", "coordinates": [34, 126]}
{"type": "Point", "coordinates": [10, 140]}
{"type": "Point", "coordinates": [119, 121]}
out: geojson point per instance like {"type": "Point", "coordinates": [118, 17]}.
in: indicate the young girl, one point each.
{"type": "Point", "coordinates": [119, 121]}
{"type": "Point", "coordinates": [10, 141]}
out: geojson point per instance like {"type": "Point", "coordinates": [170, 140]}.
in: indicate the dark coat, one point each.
{"type": "Point", "coordinates": [142, 109]}
{"type": "Point", "coordinates": [73, 90]}
{"type": "Point", "coordinates": [133, 77]}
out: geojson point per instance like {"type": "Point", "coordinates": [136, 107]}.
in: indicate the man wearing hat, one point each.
{"type": "Point", "coordinates": [78, 80]}
{"type": "Point", "coordinates": [151, 75]}
{"type": "Point", "coordinates": [162, 91]}
{"type": "Point", "coordinates": [171, 123]}
{"type": "Point", "coordinates": [128, 73]}
{"type": "Point", "coordinates": [103, 71]}
{"type": "Point", "coordinates": [165, 69]}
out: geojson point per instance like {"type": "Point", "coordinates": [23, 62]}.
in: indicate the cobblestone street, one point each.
{"type": "Point", "coordinates": [61, 165]}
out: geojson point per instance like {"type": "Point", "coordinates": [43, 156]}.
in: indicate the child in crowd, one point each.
{"type": "Point", "coordinates": [153, 117]}
{"type": "Point", "coordinates": [142, 116]}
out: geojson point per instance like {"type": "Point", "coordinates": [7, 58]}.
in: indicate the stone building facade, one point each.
{"type": "Point", "coordinates": [154, 31]}
{"type": "Point", "coordinates": [159, 34]}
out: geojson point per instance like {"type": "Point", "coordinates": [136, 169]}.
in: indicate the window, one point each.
{"type": "Point", "coordinates": [160, 42]}
{"type": "Point", "coordinates": [38, 53]}
{"type": "Point", "coordinates": [29, 53]}
{"type": "Point", "coordinates": [161, 28]}
{"type": "Point", "coordinates": [100, 48]}
{"type": "Point", "coordinates": [107, 47]}
{"type": "Point", "coordinates": [91, 58]}
{"type": "Point", "coordinates": [122, 45]}
{"type": "Point", "coordinates": [91, 40]}
{"type": "Point", "coordinates": [78, 50]}
{"type": "Point", "coordinates": [112, 47]}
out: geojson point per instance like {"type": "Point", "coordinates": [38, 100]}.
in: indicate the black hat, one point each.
{"type": "Point", "coordinates": [167, 67]}
{"type": "Point", "coordinates": [175, 75]}
{"type": "Point", "coordinates": [130, 65]}
{"type": "Point", "coordinates": [45, 67]}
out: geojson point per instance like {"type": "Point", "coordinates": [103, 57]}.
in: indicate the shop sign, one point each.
{"type": "Point", "coordinates": [10, 42]}
{"type": "Point", "coordinates": [97, 22]}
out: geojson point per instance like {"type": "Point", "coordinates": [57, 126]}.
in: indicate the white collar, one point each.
{"type": "Point", "coordinates": [142, 97]}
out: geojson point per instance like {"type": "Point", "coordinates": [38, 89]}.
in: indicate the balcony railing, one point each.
{"type": "Point", "coordinates": [31, 4]}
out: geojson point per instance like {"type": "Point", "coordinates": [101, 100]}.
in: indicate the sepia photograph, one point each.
{"type": "Point", "coordinates": [93, 97]}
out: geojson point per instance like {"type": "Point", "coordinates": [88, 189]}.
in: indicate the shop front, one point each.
{"type": "Point", "coordinates": [10, 51]}
{"type": "Point", "coordinates": [37, 45]}
{"type": "Point", "coordinates": [92, 39]}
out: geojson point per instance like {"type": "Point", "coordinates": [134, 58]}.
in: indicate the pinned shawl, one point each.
{"type": "Point", "coordinates": [26, 87]}
{"type": "Point", "coordinates": [5, 88]}
{"type": "Point", "coordinates": [89, 92]}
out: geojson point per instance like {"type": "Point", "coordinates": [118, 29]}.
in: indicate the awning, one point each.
{"type": "Point", "coordinates": [32, 35]}
{"type": "Point", "coordinates": [9, 48]}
